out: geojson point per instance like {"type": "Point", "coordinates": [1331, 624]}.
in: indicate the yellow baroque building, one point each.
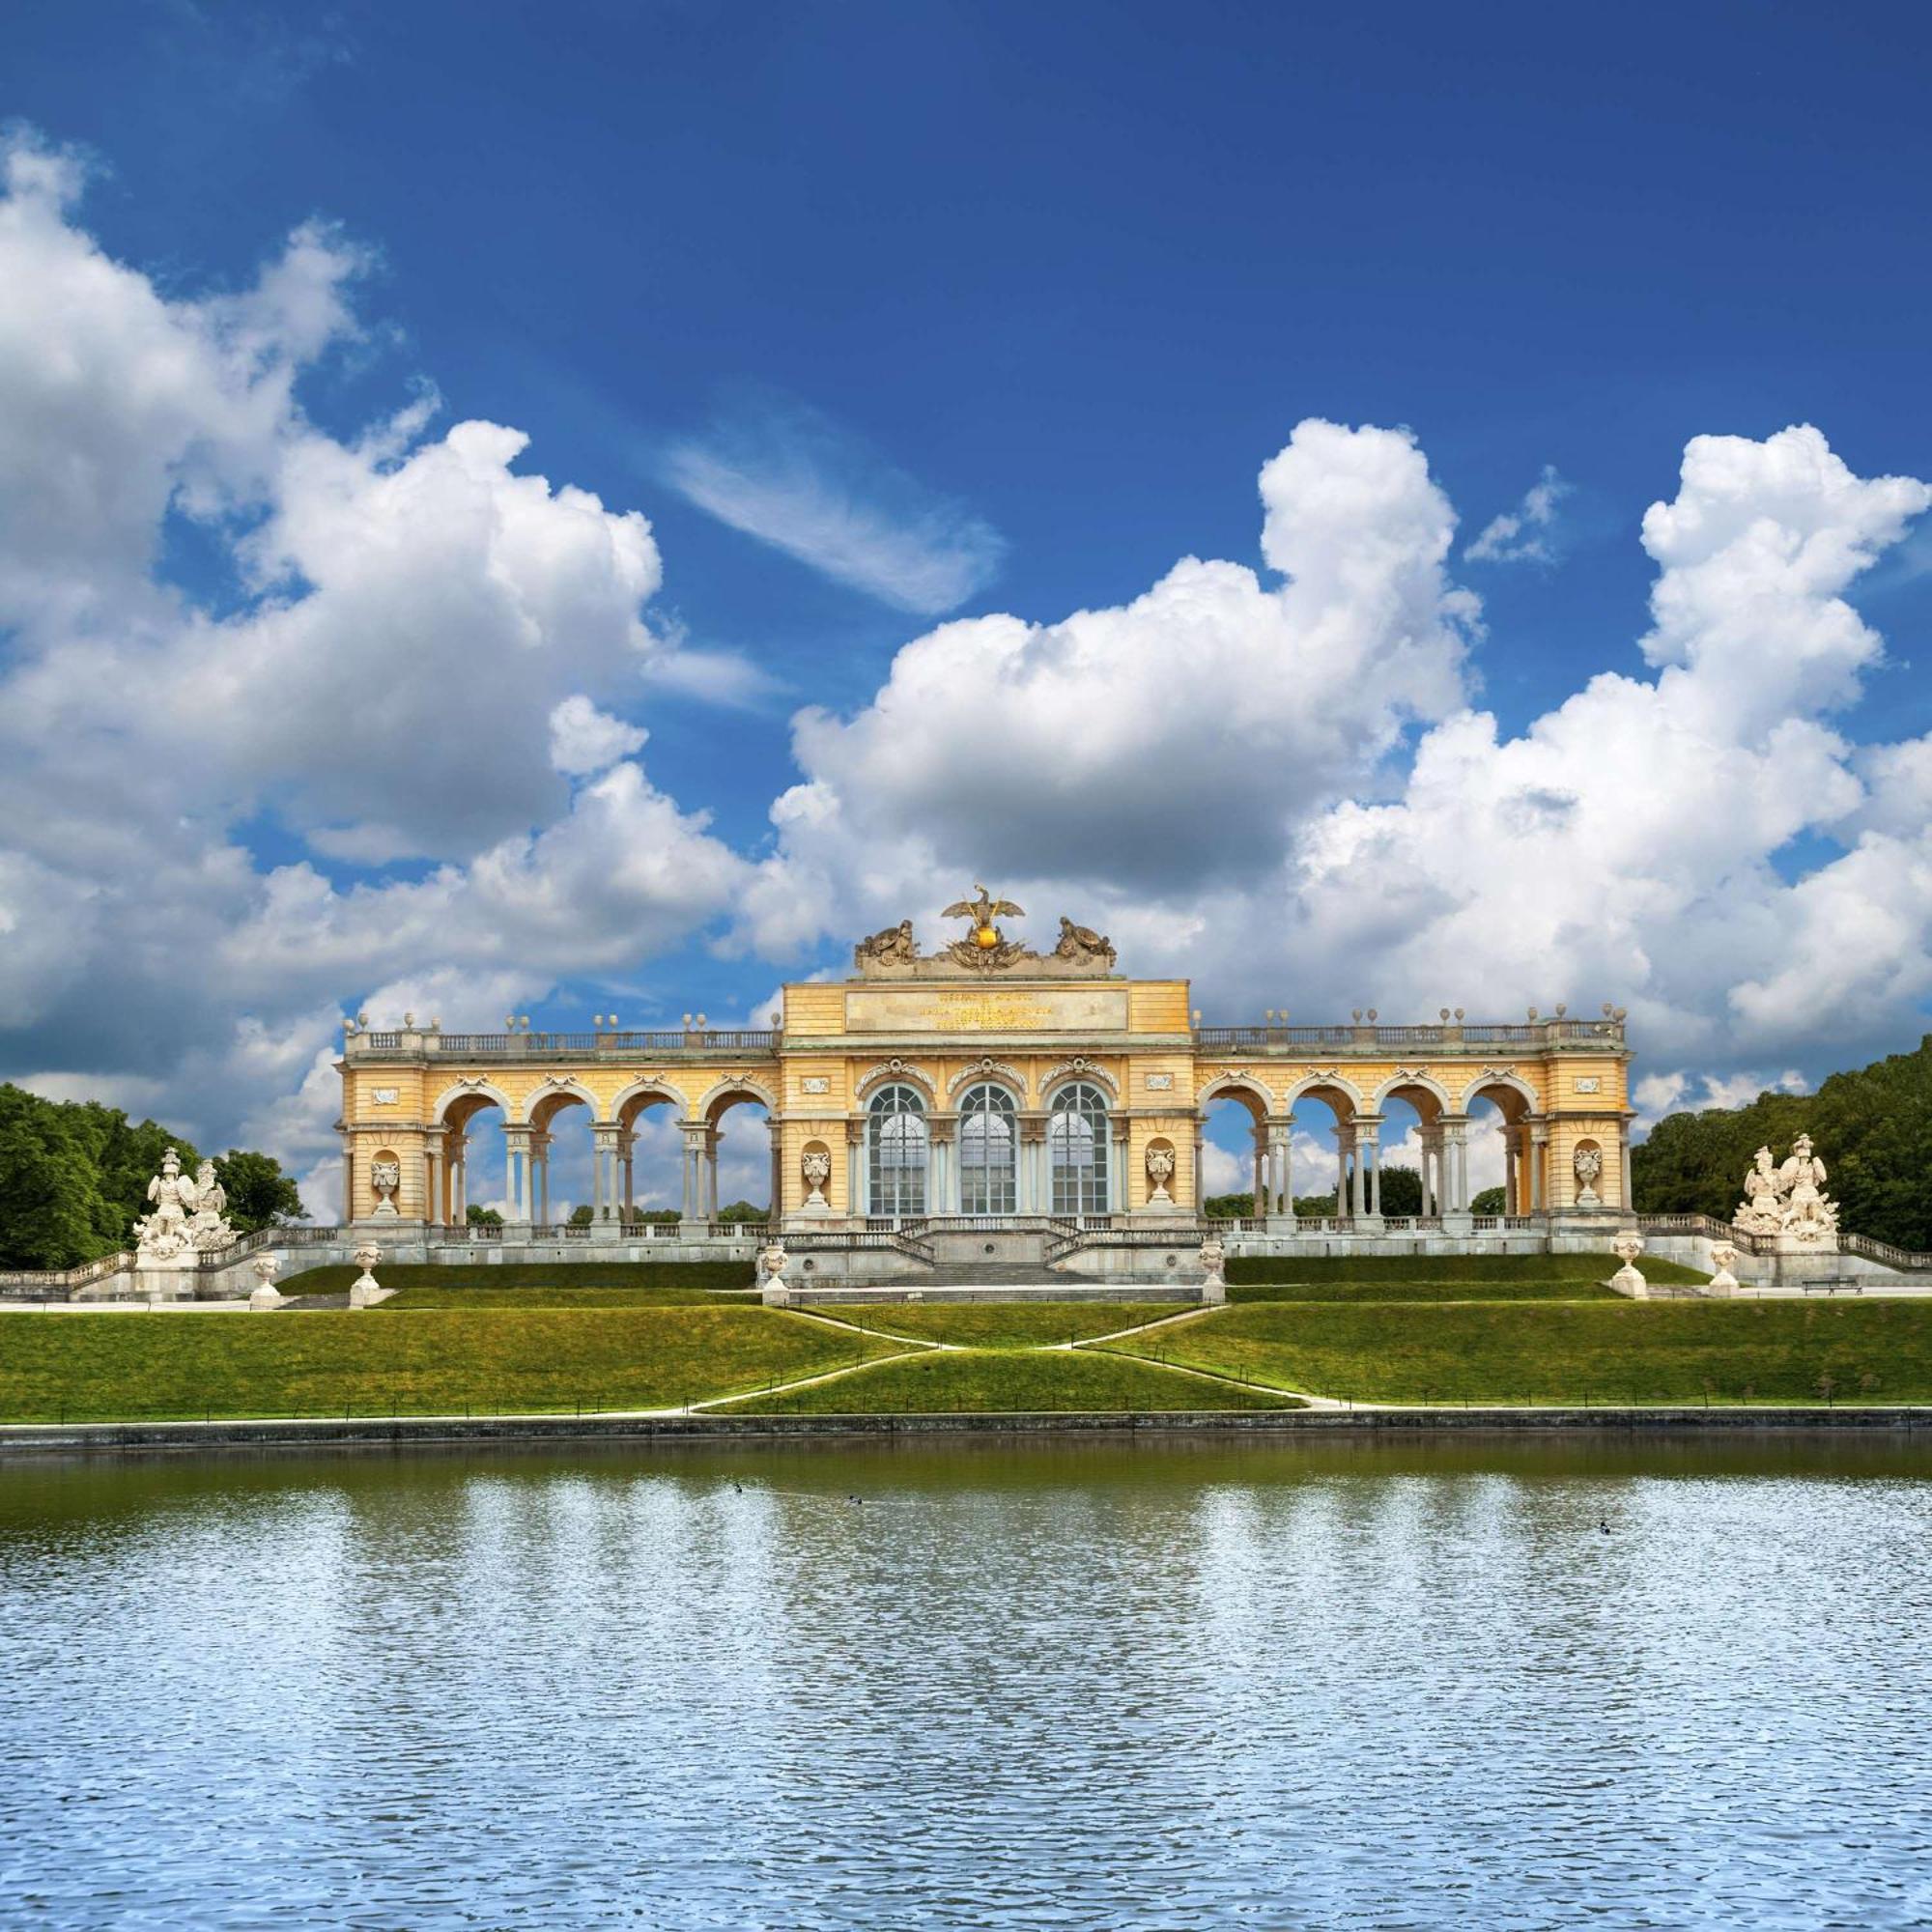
{"type": "Point", "coordinates": [987, 1084]}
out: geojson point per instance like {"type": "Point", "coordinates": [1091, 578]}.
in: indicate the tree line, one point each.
{"type": "Point", "coordinates": [74, 1175]}
{"type": "Point", "coordinates": [1873, 1130]}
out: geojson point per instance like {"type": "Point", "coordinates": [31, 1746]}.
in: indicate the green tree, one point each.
{"type": "Point", "coordinates": [482, 1217]}
{"type": "Point", "coordinates": [742, 1211]}
{"type": "Point", "coordinates": [260, 1195]}
{"type": "Point", "coordinates": [1318, 1205]}
{"type": "Point", "coordinates": [1872, 1125]}
{"type": "Point", "coordinates": [581, 1214]}
{"type": "Point", "coordinates": [1228, 1206]}
{"type": "Point", "coordinates": [1488, 1200]}
{"type": "Point", "coordinates": [51, 1214]}
{"type": "Point", "coordinates": [1402, 1190]}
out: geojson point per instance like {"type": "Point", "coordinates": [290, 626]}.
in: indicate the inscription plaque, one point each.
{"type": "Point", "coordinates": [972, 1009]}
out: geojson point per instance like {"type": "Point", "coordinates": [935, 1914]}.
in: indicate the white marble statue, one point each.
{"type": "Point", "coordinates": [1789, 1201]}
{"type": "Point", "coordinates": [1761, 1211]}
{"type": "Point", "coordinates": [164, 1238]}
{"type": "Point", "coordinates": [1627, 1279]}
{"type": "Point", "coordinates": [210, 1232]}
{"type": "Point", "coordinates": [1808, 1217]}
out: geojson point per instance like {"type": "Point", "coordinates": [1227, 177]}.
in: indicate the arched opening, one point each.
{"type": "Point", "coordinates": [1242, 1168]}
{"type": "Point", "coordinates": [988, 1151]}
{"type": "Point", "coordinates": [1327, 1149]}
{"type": "Point", "coordinates": [895, 1152]}
{"type": "Point", "coordinates": [561, 1179]}
{"type": "Point", "coordinates": [1501, 1138]}
{"type": "Point", "coordinates": [1410, 1178]}
{"type": "Point", "coordinates": [739, 1173]}
{"type": "Point", "coordinates": [650, 1154]}
{"type": "Point", "coordinates": [1077, 1150]}
{"type": "Point", "coordinates": [466, 1148]}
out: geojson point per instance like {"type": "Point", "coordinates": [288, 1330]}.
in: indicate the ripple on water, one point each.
{"type": "Point", "coordinates": [1088, 1686]}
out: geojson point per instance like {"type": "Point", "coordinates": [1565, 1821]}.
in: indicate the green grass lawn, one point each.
{"type": "Point", "coordinates": [151, 1365]}
{"type": "Point", "coordinates": [1498, 1273]}
{"type": "Point", "coordinates": [1003, 1324]}
{"type": "Point", "coordinates": [1006, 1382]}
{"type": "Point", "coordinates": [1604, 1351]}
{"type": "Point", "coordinates": [539, 1283]}
{"type": "Point", "coordinates": [1422, 1291]}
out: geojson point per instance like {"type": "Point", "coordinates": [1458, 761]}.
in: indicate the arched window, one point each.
{"type": "Point", "coordinates": [897, 1151]}
{"type": "Point", "coordinates": [989, 1170]}
{"type": "Point", "coordinates": [1076, 1141]}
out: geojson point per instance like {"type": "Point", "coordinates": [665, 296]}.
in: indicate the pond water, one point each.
{"type": "Point", "coordinates": [1460, 1682]}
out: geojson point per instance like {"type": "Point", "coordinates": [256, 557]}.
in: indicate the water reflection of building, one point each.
{"type": "Point", "coordinates": [1000, 1086]}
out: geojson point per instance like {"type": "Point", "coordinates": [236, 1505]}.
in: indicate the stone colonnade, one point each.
{"type": "Point", "coordinates": [1358, 1168]}
{"type": "Point", "coordinates": [447, 1190]}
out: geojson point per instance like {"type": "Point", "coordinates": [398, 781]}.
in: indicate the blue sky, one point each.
{"type": "Point", "coordinates": [885, 316]}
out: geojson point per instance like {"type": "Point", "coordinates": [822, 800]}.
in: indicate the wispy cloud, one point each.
{"type": "Point", "coordinates": [1523, 536]}
{"type": "Point", "coordinates": [787, 475]}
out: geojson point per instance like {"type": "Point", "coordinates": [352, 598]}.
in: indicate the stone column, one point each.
{"type": "Point", "coordinates": [1452, 1160]}
{"type": "Point", "coordinates": [1539, 1180]}
{"type": "Point", "coordinates": [1263, 1181]}
{"type": "Point", "coordinates": [855, 1167]}
{"type": "Point", "coordinates": [941, 1168]}
{"type": "Point", "coordinates": [711, 1140]}
{"type": "Point", "coordinates": [1345, 1150]}
{"type": "Point", "coordinates": [1119, 1200]}
{"type": "Point", "coordinates": [692, 1203]}
{"type": "Point", "coordinates": [430, 1192]}
{"type": "Point", "coordinates": [774, 1187]}
{"type": "Point", "coordinates": [456, 1152]}
{"type": "Point", "coordinates": [1281, 1170]}
{"type": "Point", "coordinates": [627, 1153]}
{"type": "Point", "coordinates": [1369, 1159]}
{"type": "Point", "coordinates": [540, 1151]}
{"type": "Point", "coordinates": [348, 1181]}
{"type": "Point", "coordinates": [1629, 1202]}
{"type": "Point", "coordinates": [1034, 1195]}
{"type": "Point", "coordinates": [517, 1173]}
{"type": "Point", "coordinates": [1200, 1192]}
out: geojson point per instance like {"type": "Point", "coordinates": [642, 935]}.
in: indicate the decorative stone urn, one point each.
{"type": "Point", "coordinates": [773, 1291]}
{"type": "Point", "coordinates": [1588, 1166]}
{"type": "Point", "coordinates": [1214, 1265]}
{"type": "Point", "coordinates": [1627, 1280]}
{"type": "Point", "coordinates": [1160, 1172]}
{"type": "Point", "coordinates": [265, 1268]}
{"type": "Point", "coordinates": [366, 1291]}
{"type": "Point", "coordinates": [815, 1165]}
{"type": "Point", "coordinates": [386, 1178]}
{"type": "Point", "coordinates": [1724, 1282]}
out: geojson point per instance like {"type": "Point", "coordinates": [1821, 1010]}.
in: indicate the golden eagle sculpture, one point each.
{"type": "Point", "coordinates": [982, 912]}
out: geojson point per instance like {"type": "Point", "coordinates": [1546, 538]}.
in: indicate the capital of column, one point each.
{"type": "Point", "coordinates": [519, 1138]}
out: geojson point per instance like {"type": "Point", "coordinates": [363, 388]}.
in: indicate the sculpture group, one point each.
{"type": "Point", "coordinates": [1788, 1201]}
{"type": "Point", "coordinates": [985, 947]}
{"type": "Point", "coordinates": [186, 1221]}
